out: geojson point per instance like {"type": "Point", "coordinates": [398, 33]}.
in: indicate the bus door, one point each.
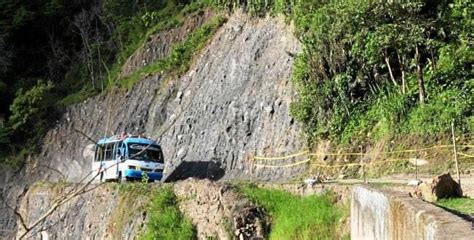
{"type": "Point", "coordinates": [119, 156]}
{"type": "Point", "coordinates": [98, 159]}
{"type": "Point", "coordinates": [110, 170]}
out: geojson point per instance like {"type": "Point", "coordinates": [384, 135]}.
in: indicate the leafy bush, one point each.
{"type": "Point", "coordinates": [29, 106]}
{"type": "Point", "coordinates": [365, 64]}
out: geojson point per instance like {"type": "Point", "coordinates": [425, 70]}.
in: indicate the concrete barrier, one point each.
{"type": "Point", "coordinates": [385, 214]}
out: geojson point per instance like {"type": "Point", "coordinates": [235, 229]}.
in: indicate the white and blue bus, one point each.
{"type": "Point", "coordinates": [126, 157]}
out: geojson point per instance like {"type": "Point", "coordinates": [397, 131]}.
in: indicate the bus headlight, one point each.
{"type": "Point", "coordinates": [132, 167]}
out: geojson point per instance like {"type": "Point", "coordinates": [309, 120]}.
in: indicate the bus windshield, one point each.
{"type": "Point", "coordinates": [138, 151]}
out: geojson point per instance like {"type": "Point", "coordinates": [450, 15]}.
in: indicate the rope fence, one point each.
{"type": "Point", "coordinates": [257, 160]}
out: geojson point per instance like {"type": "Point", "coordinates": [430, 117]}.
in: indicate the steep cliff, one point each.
{"type": "Point", "coordinates": [232, 104]}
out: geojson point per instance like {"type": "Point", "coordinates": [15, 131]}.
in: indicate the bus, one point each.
{"type": "Point", "coordinates": [126, 157]}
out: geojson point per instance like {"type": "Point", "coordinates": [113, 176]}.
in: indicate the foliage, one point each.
{"type": "Point", "coordinates": [29, 106]}
{"type": "Point", "coordinates": [372, 70]}
{"type": "Point", "coordinates": [78, 46]}
{"type": "Point", "coordinates": [294, 217]}
{"type": "Point", "coordinates": [132, 198]}
{"type": "Point", "coordinates": [165, 219]}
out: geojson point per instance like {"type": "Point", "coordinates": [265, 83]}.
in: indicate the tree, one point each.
{"type": "Point", "coordinates": [5, 55]}
{"type": "Point", "coordinates": [29, 106]}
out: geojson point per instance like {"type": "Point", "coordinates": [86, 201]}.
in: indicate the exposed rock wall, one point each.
{"type": "Point", "coordinates": [385, 214]}
{"type": "Point", "coordinates": [11, 191]}
{"type": "Point", "coordinates": [232, 104]}
{"type": "Point", "coordinates": [102, 213]}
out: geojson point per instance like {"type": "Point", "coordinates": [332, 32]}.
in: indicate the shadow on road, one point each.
{"type": "Point", "coordinates": [199, 169]}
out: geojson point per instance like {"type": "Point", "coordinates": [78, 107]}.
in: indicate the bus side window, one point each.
{"type": "Point", "coordinates": [122, 149]}
{"type": "Point", "coordinates": [117, 150]}
{"type": "Point", "coordinates": [109, 152]}
{"type": "Point", "coordinates": [125, 150]}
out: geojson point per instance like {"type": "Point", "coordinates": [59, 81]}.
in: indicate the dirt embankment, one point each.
{"type": "Point", "coordinates": [217, 210]}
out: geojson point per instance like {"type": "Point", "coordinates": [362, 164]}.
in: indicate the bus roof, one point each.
{"type": "Point", "coordinates": [128, 140]}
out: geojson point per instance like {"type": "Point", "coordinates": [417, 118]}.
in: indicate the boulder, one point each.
{"type": "Point", "coordinates": [442, 186]}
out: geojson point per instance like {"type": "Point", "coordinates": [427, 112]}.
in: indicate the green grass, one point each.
{"type": "Point", "coordinates": [78, 96]}
{"type": "Point", "coordinates": [179, 59]}
{"type": "Point", "coordinates": [132, 199]}
{"type": "Point", "coordinates": [294, 217]}
{"type": "Point", "coordinates": [165, 219]}
{"type": "Point", "coordinates": [462, 205]}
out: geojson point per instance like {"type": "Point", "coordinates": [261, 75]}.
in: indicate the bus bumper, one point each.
{"type": "Point", "coordinates": [137, 174]}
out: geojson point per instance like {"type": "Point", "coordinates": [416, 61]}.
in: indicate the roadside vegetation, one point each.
{"type": "Point", "coordinates": [295, 217]}
{"type": "Point", "coordinates": [165, 221]}
{"type": "Point", "coordinates": [132, 199]}
{"type": "Point", "coordinates": [464, 206]}
{"type": "Point", "coordinates": [395, 74]}
{"type": "Point", "coordinates": [375, 70]}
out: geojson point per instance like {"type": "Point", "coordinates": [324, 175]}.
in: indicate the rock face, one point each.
{"type": "Point", "coordinates": [218, 212]}
{"type": "Point", "coordinates": [231, 105]}
{"type": "Point", "coordinates": [102, 213]}
{"type": "Point", "coordinates": [234, 103]}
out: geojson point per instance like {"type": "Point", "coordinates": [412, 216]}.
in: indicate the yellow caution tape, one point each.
{"type": "Point", "coordinates": [307, 153]}
{"type": "Point", "coordinates": [337, 154]}
{"type": "Point", "coordinates": [283, 157]}
{"type": "Point", "coordinates": [325, 165]}
{"type": "Point", "coordinates": [283, 166]}
{"type": "Point", "coordinates": [356, 154]}
{"type": "Point", "coordinates": [342, 165]}
{"type": "Point", "coordinates": [358, 164]}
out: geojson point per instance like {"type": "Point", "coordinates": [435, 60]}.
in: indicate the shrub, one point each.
{"type": "Point", "coordinates": [29, 106]}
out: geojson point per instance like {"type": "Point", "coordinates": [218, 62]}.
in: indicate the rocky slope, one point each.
{"type": "Point", "coordinates": [232, 104]}
{"type": "Point", "coordinates": [113, 212]}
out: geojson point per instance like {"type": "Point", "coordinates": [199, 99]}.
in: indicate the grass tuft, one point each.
{"type": "Point", "coordinates": [295, 217]}
{"type": "Point", "coordinates": [165, 219]}
{"type": "Point", "coordinates": [463, 205]}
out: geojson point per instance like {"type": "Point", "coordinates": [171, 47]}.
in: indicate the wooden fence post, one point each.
{"type": "Point", "coordinates": [455, 152]}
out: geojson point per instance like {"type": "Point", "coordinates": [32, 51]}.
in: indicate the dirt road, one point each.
{"type": "Point", "coordinates": [401, 181]}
